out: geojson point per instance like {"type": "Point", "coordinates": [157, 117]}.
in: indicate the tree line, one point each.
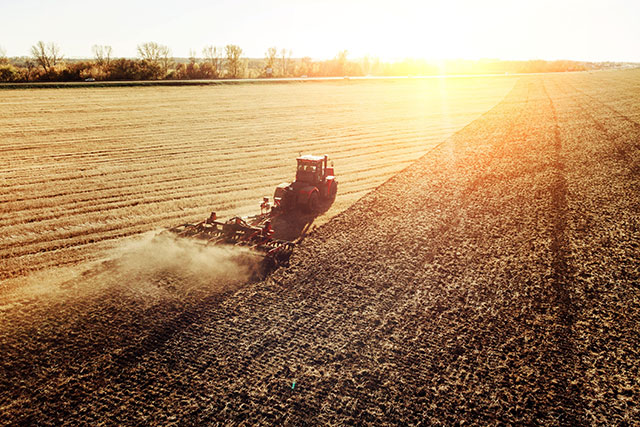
{"type": "Point", "coordinates": [154, 61]}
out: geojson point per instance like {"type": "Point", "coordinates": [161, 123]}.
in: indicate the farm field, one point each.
{"type": "Point", "coordinates": [82, 168]}
{"type": "Point", "coordinates": [494, 280]}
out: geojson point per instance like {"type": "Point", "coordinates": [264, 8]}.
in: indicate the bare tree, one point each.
{"type": "Point", "coordinates": [165, 59]}
{"type": "Point", "coordinates": [3, 56]}
{"type": "Point", "coordinates": [366, 65]}
{"type": "Point", "coordinates": [102, 55]}
{"type": "Point", "coordinates": [30, 66]}
{"type": "Point", "coordinates": [213, 55]}
{"type": "Point", "coordinates": [341, 62]}
{"type": "Point", "coordinates": [47, 55]}
{"type": "Point", "coordinates": [192, 56]}
{"type": "Point", "coordinates": [233, 61]}
{"type": "Point", "coordinates": [270, 57]}
{"type": "Point", "coordinates": [192, 69]}
{"type": "Point", "coordinates": [155, 54]}
{"type": "Point", "coordinates": [289, 66]}
{"type": "Point", "coordinates": [306, 66]}
{"type": "Point", "coordinates": [149, 51]}
{"type": "Point", "coordinates": [283, 62]}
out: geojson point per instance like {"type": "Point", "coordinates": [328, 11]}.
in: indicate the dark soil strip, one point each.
{"type": "Point", "coordinates": [562, 272]}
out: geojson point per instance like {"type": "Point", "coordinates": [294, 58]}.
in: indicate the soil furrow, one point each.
{"type": "Point", "coordinates": [567, 389]}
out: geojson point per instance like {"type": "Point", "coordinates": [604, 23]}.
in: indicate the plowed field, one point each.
{"type": "Point", "coordinates": [495, 280]}
{"type": "Point", "coordinates": [83, 168]}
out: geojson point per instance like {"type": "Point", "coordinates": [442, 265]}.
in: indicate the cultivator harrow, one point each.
{"type": "Point", "coordinates": [254, 233]}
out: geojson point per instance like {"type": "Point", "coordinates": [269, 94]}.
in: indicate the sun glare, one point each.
{"type": "Point", "coordinates": [432, 30]}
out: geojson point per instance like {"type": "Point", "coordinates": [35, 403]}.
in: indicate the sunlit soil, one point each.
{"type": "Point", "coordinates": [492, 281]}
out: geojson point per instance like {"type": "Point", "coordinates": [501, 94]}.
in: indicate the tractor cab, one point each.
{"type": "Point", "coordinates": [314, 184]}
{"type": "Point", "coordinates": [312, 169]}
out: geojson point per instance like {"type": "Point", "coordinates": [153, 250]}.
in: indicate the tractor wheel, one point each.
{"type": "Point", "coordinates": [313, 206]}
{"type": "Point", "coordinates": [333, 190]}
{"type": "Point", "coordinates": [287, 202]}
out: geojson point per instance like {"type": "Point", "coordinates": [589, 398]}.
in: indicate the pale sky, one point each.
{"type": "Point", "coordinates": [591, 30]}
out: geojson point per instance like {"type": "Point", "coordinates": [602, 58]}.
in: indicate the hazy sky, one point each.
{"type": "Point", "coordinates": [507, 29]}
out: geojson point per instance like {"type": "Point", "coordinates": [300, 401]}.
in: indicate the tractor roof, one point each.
{"type": "Point", "coordinates": [310, 158]}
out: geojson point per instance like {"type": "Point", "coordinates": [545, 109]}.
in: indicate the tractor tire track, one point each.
{"type": "Point", "coordinates": [626, 149]}
{"type": "Point", "coordinates": [609, 107]}
{"type": "Point", "coordinates": [567, 392]}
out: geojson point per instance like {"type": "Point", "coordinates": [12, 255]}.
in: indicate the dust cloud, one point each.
{"type": "Point", "coordinates": [150, 268]}
{"type": "Point", "coordinates": [161, 263]}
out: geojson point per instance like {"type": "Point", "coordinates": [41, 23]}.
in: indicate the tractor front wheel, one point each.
{"type": "Point", "coordinates": [313, 205]}
{"type": "Point", "coordinates": [287, 201]}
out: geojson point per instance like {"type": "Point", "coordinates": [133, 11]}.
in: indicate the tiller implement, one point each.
{"type": "Point", "coordinates": [254, 233]}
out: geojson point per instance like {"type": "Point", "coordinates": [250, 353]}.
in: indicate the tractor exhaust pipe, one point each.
{"type": "Point", "coordinates": [325, 161]}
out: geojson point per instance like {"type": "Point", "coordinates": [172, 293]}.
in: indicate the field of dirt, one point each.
{"type": "Point", "coordinates": [495, 280]}
{"type": "Point", "coordinates": [82, 168]}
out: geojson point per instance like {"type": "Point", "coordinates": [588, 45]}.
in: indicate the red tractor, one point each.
{"type": "Point", "coordinates": [314, 186]}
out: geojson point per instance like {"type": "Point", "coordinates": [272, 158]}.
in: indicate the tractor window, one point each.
{"type": "Point", "coordinates": [308, 168]}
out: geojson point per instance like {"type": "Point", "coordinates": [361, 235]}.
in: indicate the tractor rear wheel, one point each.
{"type": "Point", "coordinates": [333, 190]}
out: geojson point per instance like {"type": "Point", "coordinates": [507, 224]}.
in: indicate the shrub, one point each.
{"type": "Point", "coordinates": [8, 73]}
{"type": "Point", "coordinates": [124, 69]}
{"type": "Point", "coordinates": [74, 72]}
{"type": "Point", "coordinates": [149, 70]}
